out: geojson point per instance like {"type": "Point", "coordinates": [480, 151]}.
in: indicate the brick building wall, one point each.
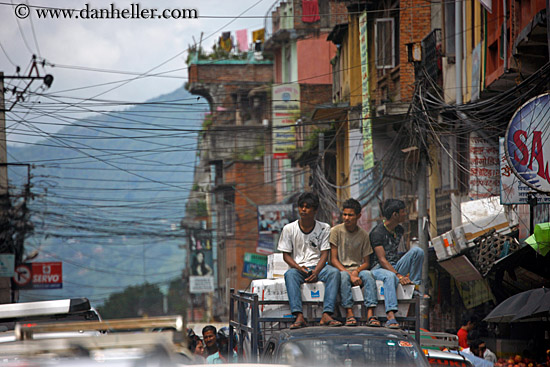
{"type": "Point", "coordinates": [220, 73]}
{"type": "Point", "coordinates": [248, 178]}
{"type": "Point", "coordinates": [312, 95]}
{"type": "Point", "coordinates": [415, 24]}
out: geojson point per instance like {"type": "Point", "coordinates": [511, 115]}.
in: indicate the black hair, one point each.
{"type": "Point", "coordinates": [468, 318]}
{"type": "Point", "coordinates": [209, 328]}
{"type": "Point", "coordinates": [391, 206]}
{"type": "Point", "coordinates": [310, 199]}
{"type": "Point", "coordinates": [193, 342]}
{"type": "Point", "coordinates": [352, 204]}
{"type": "Point", "coordinates": [474, 344]}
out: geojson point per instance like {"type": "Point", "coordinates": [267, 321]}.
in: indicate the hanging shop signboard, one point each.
{"type": "Point", "coordinates": [527, 143]}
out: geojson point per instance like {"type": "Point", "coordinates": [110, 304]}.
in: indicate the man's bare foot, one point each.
{"type": "Point", "coordinates": [327, 320]}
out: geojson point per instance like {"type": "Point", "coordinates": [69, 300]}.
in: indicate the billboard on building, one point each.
{"type": "Point", "coordinates": [271, 220]}
{"type": "Point", "coordinates": [484, 168]}
{"type": "Point", "coordinates": [527, 143]}
{"type": "Point", "coordinates": [201, 261]}
{"type": "Point", "coordinates": [512, 189]}
{"type": "Point", "coordinates": [368, 151]}
{"type": "Point", "coordinates": [254, 266]}
{"type": "Point", "coordinates": [286, 110]}
{"type": "Point", "coordinates": [361, 180]}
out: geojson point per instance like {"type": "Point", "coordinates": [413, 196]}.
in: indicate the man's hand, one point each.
{"type": "Point", "coordinates": [355, 280]}
{"type": "Point", "coordinates": [312, 277]}
{"type": "Point", "coordinates": [404, 280]}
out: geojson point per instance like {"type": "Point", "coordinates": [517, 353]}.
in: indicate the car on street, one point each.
{"type": "Point", "coordinates": [343, 346]}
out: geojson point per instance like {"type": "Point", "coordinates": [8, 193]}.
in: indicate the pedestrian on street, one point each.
{"type": "Point", "coordinates": [467, 325]}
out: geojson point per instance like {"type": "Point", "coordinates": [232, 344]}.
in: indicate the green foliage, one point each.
{"type": "Point", "coordinates": [177, 297]}
{"type": "Point", "coordinates": [251, 155]}
{"type": "Point", "coordinates": [198, 208]}
{"type": "Point", "coordinates": [198, 53]}
{"type": "Point", "coordinates": [207, 122]}
{"type": "Point", "coordinates": [134, 301]}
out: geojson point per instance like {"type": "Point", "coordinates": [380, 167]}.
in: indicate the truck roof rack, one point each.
{"type": "Point", "coordinates": [26, 331]}
{"type": "Point", "coordinates": [44, 308]}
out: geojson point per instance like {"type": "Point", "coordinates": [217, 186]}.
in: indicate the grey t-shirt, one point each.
{"type": "Point", "coordinates": [380, 236]}
{"type": "Point", "coordinates": [352, 247]}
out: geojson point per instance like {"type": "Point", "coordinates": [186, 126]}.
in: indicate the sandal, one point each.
{"type": "Point", "coordinates": [298, 325]}
{"type": "Point", "coordinates": [392, 324]}
{"type": "Point", "coordinates": [331, 323]}
{"type": "Point", "coordinates": [350, 321]}
{"type": "Point", "coordinates": [373, 321]}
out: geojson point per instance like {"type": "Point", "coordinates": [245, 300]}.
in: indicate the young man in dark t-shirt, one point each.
{"type": "Point", "coordinates": [387, 265]}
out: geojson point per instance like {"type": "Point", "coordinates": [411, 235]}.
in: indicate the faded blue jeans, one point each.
{"type": "Point", "coordinates": [370, 294]}
{"type": "Point", "coordinates": [295, 278]}
{"type": "Point", "coordinates": [410, 263]}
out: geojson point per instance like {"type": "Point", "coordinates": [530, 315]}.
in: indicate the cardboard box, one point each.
{"type": "Point", "coordinates": [275, 290]}
{"type": "Point", "coordinates": [313, 291]}
{"type": "Point", "coordinates": [481, 226]}
{"type": "Point", "coordinates": [459, 238]}
{"type": "Point", "coordinates": [403, 310]}
{"type": "Point", "coordinates": [439, 247]}
{"type": "Point", "coordinates": [357, 293]}
{"type": "Point", "coordinates": [276, 266]}
{"type": "Point", "coordinates": [403, 291]}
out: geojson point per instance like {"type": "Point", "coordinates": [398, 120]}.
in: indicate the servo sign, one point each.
{"type": "Point", "coordinates": [527, 143]}
{"type": "Point", "coordinates": [47, 275]}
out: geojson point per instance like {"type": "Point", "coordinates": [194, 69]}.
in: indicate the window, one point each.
{"type": "Point", "coordinates": [384, 36]}
{"type": "Point", "coordinates": [449, 29]}
{"type": "Point", "coordinates": [229, 213]}
{"type": "Point", "coordinates": [287, 73]}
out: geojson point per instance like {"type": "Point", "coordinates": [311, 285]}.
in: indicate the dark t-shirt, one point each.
{"type": "Point", "coordinates": [380, 236]}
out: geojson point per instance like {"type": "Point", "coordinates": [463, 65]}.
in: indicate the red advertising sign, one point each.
{"type": "Point", "coordinates": [47, 275]}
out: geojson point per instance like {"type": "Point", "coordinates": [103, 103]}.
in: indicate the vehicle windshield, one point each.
{"type": "Point", "coordinates": [350, 352]}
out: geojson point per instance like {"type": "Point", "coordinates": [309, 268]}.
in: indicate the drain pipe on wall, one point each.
{"type": "Point", "coordinates": [456, 211]}
{"type": "Point", "coordinates": [505, 35]}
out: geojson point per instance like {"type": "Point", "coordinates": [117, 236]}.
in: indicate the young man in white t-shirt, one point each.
{"type": "Point", "coordinates": [305, 247]}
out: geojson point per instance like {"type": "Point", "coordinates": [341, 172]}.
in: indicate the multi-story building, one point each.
{"type": "Point", "coordinates": [229, 175]}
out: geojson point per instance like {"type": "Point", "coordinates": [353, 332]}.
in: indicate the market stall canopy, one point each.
{"type": "Point", "coordinates": [540, 239]}
{"type": "Point", "coordinates": [531, 305]}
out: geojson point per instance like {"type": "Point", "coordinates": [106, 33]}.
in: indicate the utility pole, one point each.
{"type": "Point", "coordinates": [7, 245]}
{"type": "Point", "coordinates": [5, 282]}
{"type": "Point", "coordinates": [422, 237]}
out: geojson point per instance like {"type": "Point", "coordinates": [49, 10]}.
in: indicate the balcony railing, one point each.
{"type": "Point", "coordinates": [431, 53]}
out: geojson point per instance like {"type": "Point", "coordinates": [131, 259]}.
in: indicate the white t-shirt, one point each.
{"type": "Point", "coordinates": [305, 248]}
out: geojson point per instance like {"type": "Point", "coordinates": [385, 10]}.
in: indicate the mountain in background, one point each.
{"type": "Point", "coordinates": [109, 194]}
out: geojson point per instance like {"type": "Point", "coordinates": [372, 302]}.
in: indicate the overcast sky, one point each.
{"type": "Point", "coordinates": [91, 52]}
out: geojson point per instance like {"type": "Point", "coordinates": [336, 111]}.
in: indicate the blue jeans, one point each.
{"type": "Point", "coordinates": [370, 294]}
{"type": "Point", "coordinates": [295, 278]}
{"type": "Point", "coordinates": [410, 263]}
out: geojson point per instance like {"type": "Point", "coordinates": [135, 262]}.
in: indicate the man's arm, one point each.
{"type": "Point", "coordinates": [320, 265]}
{"type": "Point", "coordinates": [364, 266]}
{"type": "Point", "coordinates": [334, 261]}
{"type": "Point", "coordinates": [293, 264]}
{"type": "Point", "coordinates": [384, 263]}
